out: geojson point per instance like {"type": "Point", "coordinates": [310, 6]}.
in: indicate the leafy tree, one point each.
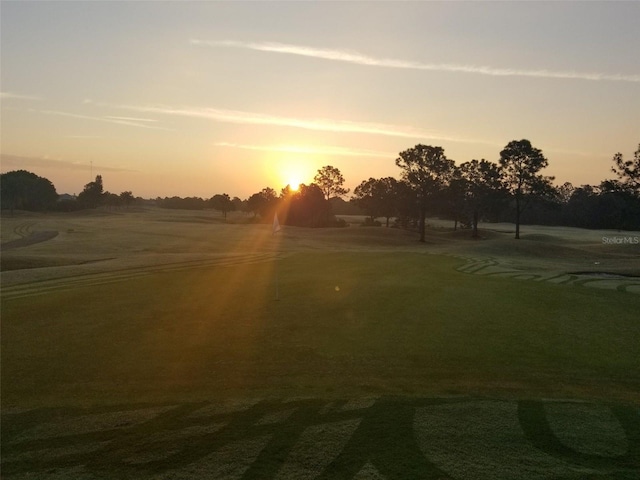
{"type": "Point", "coordinates": [428, 171]}
{"type": "Point", "coordinates": [222, 203]}
{"type": "Point", "coordinates": [378, 197]}
{"type": "Point", "coordinates": [520, 163]}
{"type": "Point", "coordinates": [27, 191]}
{"type": "Point", "coordinates": [330, 181]}
{"type": "Point", "coordinates": [482, 183]}
{"type": "Point", "coordinates": [92, 195]}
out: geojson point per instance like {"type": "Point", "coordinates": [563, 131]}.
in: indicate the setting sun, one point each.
{"type": "Point", "coordinates": [294, 184]}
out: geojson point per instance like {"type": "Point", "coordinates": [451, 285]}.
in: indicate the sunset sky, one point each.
{"type": "Point", "coordinates": [199, 98]}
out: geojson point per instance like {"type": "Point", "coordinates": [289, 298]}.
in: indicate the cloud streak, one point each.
{"type": "Point", "coordinates": [17, 161]}
{"type": "Point", "coordinates": [18, 96]}
{"type": "Point", "coordinates": [322, 150]}
{"type": "Point", "coordinates": [327, 125]}
{"type": "Point", "coordinates": [131, 122]}
{"type": "Point", "coordinates": [357, 58]}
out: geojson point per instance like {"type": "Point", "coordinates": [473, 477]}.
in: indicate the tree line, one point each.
{"type": "Point", "coordinates": [23, 190]}
{"type": "Point", "coordinates": [513, 189]}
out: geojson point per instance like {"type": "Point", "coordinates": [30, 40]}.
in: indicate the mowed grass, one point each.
{"type": "Point", "coordinates": [346, 324]}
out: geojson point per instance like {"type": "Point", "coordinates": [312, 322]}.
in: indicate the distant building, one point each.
{"type": "Point", "coordinates": [66, 197]}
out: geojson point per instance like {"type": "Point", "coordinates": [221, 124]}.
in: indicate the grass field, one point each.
{"type": "Point", "coordinates": [150, 344]}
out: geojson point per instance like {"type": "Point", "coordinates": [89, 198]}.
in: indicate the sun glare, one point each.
{"type": "Point", "coordinates": [290, 170]}
{"type": "Point", "coordinates": [294, 184]}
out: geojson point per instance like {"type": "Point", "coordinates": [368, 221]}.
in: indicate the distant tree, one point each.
{"type": "Point", "coordinates": [520, 163]}
{"type": "Point", "coordinates": [454, 197]}
{"type": "Point", "coordinates": [263, 203]}
{"type": "Point", "coordinates": [628, 172]}
{"type": "Point", "coordinates": [408, 209]}
{"type": "Point", "coordinates": [428, 171]}
{"type": "Point", "coordinates": [339, 206]}
{"type": "Point", "coordinates": [286, 192]}
{"type": "Point", "coordinates": [330, 181]}
{"type": "Point", "coordinates": [127, 198]}
{"type": "Point", "coordinates": [92, 195]}
{"type": "Point", "coordinates": [24, 190]}
{"type": "Point", "coordinates": [238, 204]}
{"type": "Point", "coordinates": [307, 207]}
{"type": "Point", "coordinates": [483, 187]}
{"type": "Point", "coordinates": [188, 203]}
{"type": "Point", "coordinates": [111, 200]}
{"type": "Point", "coordinates": [378, 197]}
{"type": "Point", "coordinates": [222, 203]}
{"type": "Point", "coordinates": [564, 192]}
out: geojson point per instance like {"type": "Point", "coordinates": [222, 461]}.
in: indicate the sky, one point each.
{"type": "Point", "coordinates": [200, 98]}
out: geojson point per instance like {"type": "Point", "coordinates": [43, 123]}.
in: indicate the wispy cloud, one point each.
{"type": "Point", "coordinates": [17, 161]}
{"type": "Point", "coordinates": [310, 150]}
{"type": "Point", "coordinates": [84, 136]}
{"type": "Point", "coordinates": [357, 58]}
{"type": "Point", "coordinates": [18, 96]}
{"type": "Point", "coordinates": [340, 126]}
{"type": "Point", "coordinates": [132, 122]}
{"type": "Point", "coordinates": [131, 119]}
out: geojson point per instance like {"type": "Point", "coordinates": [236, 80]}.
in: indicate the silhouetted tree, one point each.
{"type": "Point", "coordinates": [24, 190]}
{"type": "Point", "coordinates": [628, 172]}
{"type": "Point", "coordinates": [188, 203]}
{"type": "Point", "coordinates": [263, 203]}
{"type": "Point", "coordinates": [127, 198]}
{"type": "Point", "coordinates": [330, 181]}
{"type": "Point", "coordinates": [92, 195]}
{"type": "Point", "coordinates": [307, 207]}
{"type": "Point", "coordinates": [222, 203]}
{"type": "Point", "coordinates": [238, 204]}
{"type": "Point", "coordinates": [428, 171]}
{"type": "Point", "coordinates": [378, 197]}
{"type": "Point", "coordinates": [454, 197]}
{"type": "Point", "coordinates": [482, 183]}
{"type": "Point", "coordinates": [111, 200]}
{"type": "Point", "coordinates": [340, 206]}
{"type": "Point", "coordinates": [520, 163]}
{"type": "Point", "coordinates": [564, 192]}
{"type": "Point", "coordinates": [408, 210]}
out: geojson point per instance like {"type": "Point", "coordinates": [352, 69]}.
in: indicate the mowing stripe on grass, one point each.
{"type": "Point", "coordinates": [396, 438]}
